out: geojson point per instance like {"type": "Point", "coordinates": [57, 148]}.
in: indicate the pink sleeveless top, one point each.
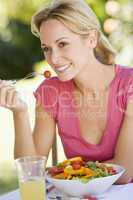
{"type": "Point", "coordinates": [57, 98]}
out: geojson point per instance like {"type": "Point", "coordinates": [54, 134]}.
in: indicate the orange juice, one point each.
{"type": "Point", "coordinates": [33, 190]}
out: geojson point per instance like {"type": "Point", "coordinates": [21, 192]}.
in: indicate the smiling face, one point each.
{"type": "Point", "coordinates": [66, 52]}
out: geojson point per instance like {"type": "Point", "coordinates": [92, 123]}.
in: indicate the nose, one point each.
{"type": "Point", "coordinates": [55, 57]}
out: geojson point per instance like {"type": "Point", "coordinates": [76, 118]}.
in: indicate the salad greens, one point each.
{"type": "Point", "coordinates": [78, 169]}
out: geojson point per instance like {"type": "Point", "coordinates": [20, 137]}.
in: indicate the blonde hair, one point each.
{"type": "Point", "coordinates": [80, 19]}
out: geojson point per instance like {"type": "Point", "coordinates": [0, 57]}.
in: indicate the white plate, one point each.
{"type": "Point", "coordinates": [95, 187]}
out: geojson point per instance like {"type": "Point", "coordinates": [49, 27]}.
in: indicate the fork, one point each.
{"type": "Point", "coordinates": [30, 75]}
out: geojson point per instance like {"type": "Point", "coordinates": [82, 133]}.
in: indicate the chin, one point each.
{"type": "Point", "coordinates": [67, 78]}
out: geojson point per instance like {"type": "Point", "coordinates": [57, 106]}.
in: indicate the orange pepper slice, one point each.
{"type": "Point", "coordinates": [88, 171]}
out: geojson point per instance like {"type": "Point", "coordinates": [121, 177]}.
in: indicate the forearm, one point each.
{"type": "Point", "coordinates": [125, 178]}
{"type": "Point", "coordinates": [24, 144]}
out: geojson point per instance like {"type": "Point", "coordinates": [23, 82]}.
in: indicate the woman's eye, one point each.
{"type": "Point", "coordinates": [62, 44]}
{"type": "Point", "coordinates": [45, 49]}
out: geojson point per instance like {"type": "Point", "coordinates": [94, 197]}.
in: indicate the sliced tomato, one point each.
{"type": "Point", "coordinates": [111, 170]}
{"type": "Point", "coordinates": [54, 171]}
{"type": "Point", "coordinates": [76, 166]}
{"type": "Point", "coordinates": [80, 162]}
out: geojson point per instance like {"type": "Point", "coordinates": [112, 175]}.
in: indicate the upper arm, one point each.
{"type": "Point", "coordinates": [44, 131]}
{"type": "Point", "coordinates": [46, 111]}
{"type": "Point", "coordinates": [124, 147]}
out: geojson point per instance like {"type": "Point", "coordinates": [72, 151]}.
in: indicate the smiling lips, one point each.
{"type": "Point", "coordinates": [63, 68]}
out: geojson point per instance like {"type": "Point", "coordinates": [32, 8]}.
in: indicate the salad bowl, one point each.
{"type": "Point", "coordinates": [80, 186]}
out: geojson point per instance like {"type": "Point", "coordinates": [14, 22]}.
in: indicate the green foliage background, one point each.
{"type": "Point", "coordinates": [20, 50]}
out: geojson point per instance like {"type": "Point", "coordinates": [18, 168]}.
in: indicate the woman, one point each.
{"type": "Point", "coordinates": [89, 100]}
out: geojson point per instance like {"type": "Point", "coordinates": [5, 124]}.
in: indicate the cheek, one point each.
{"type": "Point", "coordinates": [81, 56]}
{"type": "Point", "coordinates": [81, 51]}
{"type": "Point", "coordinates": [48, 59]}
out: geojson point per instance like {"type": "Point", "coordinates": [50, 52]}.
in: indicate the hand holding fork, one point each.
{"type": "Point", "coordinates": [10, 97]}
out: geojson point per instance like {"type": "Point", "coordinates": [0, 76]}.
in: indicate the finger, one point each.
{"type": "Point", "coordinates": [16, 98]}
{"type": "Point", "coordinates": [5, 83]}
{"type": "Point", "coordinates": [3, 94]}
{"type": "Point", "coordinates": [2, 82]}
{"type": "Point", "coordinates": [9, 97]}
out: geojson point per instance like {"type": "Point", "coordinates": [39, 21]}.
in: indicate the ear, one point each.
{"type": "Point", "coordinates": [92, 39]}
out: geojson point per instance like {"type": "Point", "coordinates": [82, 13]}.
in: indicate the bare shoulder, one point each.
{"type": "Point", "coordinates": [129, 110]}
{"type": "Point", "coordinates": [124, 146]}
{"type": "Point", "coordinates": [126, 132]}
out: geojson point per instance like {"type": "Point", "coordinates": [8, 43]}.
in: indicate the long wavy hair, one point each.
{"type": "Point", "coordinates": [79, 18]}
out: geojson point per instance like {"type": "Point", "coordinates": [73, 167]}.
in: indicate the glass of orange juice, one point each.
{"type": "Point", "coordinates": [31, 176]}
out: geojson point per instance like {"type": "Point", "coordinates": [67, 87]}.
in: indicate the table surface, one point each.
{"type": "Point", "coordinates": [122, 192]}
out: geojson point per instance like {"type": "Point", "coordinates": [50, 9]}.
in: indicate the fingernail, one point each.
{"type": "Point", "coordinates": [7, 105]}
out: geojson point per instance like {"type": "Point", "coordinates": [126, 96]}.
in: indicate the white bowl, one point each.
{"type": "Point", "coordinates": [95, 187]}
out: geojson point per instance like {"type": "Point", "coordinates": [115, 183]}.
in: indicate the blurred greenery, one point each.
{"type": "Point", "coordinates": [18, 55]}
{"type": "Point", "coordinates": [20, 50]}
{"type": "Point", "coordinates": [99, 8]}
{"type": "Point", "coordinates": [8, 185]}
{"type": "Point", "coordinates": [8, 178]}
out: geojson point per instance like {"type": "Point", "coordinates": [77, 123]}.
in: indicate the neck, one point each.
{"type": "Point", "coordinates": [95, 78]}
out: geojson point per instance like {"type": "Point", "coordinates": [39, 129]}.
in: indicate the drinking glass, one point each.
{"type": "Point", "coordinates": [31, 177]}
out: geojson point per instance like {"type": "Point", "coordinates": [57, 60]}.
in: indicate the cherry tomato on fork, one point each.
{"type": "Point", "coordinates": [47, 74]}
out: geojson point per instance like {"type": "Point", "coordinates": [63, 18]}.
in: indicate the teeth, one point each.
{"type": "Point", "coordinates": [60, 69]}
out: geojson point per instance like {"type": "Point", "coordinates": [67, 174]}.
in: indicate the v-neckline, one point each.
{"type": "Point", "coordinates": [107, 116]}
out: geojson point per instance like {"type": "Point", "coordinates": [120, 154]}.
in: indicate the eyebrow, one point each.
{"type": "Point", "coordinates": [55, 41]}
